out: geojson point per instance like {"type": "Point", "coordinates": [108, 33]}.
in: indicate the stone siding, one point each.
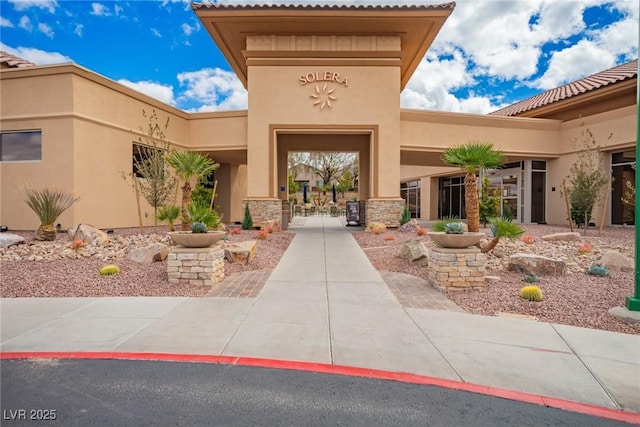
{"type": "Point", "coordinates": [456, 268]}
{"type": "Point", "coordinates": [263, 211]}
{"type": "Point", "coordinates": [386, 211]}
{"type": "Point", "coordinates": [196, 266]}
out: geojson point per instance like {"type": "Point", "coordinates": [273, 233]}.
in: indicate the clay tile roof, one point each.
{"type": "Point", "coordinates": [212, 5]}
{"type": "Point", "coordinates": [593, 82]}
{"type": "Point", "coordinates": [13, 61]}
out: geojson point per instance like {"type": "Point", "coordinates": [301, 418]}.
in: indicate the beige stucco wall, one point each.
{"type": "Point", "coordinates": [40, 102]}
{"type": "Point", "coordinates": [278, 101]}
{"type": "Point", "coordinates": [88, 124]}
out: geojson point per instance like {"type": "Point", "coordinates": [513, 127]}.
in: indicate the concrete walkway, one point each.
{"type": "Point", "coordinates": [326, 303]}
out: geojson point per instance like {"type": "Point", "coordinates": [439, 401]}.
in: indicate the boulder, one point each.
{"type": "Point", "coordinates": [241, 252]}
{"type": "Point", "coordinates": [8, 239]}
{"type": "Point", "coordinates": [410, 227]}
{"type": "Point", "coordinates": [414, 251]}
{"type": "Point", "coordinates": [616, 261]}
{"type": "Point", "coordinates": [373, 226]}
{"type": "Point", "coordinates": [562, 237]}
{"type": "Point", "coordinates": [149, 254]}
{"type": "Point", "coordinates": [536, 265]}
{"type": "Point", "coordinates": [88, 234]}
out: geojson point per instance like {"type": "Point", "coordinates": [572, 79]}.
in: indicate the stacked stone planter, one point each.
{"type": "Point", "coordinates": [196, 266]}
{"type": "Point", "coordinates": [456, 268]}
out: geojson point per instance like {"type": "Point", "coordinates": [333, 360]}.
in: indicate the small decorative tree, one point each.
{"type": "Point", "coordinates": [406, 215]}
{"type": "Point", "coordinates": [189, 165]}
{"type": "Point", "coordinates": [150, 177]}
{"type": "Point", "coordinates": [489, 205]}
{"type": "Point", "coordinates": [247, 221]}
{"type": "Point", "coordinates": [471, 158]}
{"type": "Point", "coordinates": [587, 178]}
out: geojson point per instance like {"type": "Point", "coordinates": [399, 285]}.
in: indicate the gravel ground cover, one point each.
{"type": "Point", "coordinates": [53, 269]}
{"type": "Point", "coordinates": [574, 299]}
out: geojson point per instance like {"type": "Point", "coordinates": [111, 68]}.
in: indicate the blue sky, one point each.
{"type": "Point", "coordinates": [490, 53]}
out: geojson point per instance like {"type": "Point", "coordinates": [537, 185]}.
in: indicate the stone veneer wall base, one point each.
{"type": "Point", "coordinates": [456, 268]}
{"type": "Point", "coordinates": [195, 266]}
{"type": "Point", "coordinates": [386, 211]}
{"type": "Point", "coordinates": [264, 210]}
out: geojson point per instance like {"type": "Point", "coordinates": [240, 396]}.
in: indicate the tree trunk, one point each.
{"type": "Point", "coordinates": [490, 245]}
{"type": "Point", "coordinates": [471, 203]}
{"type": "Point", "coordinates": [46, 232]}
{"type": "Point", "coordinates": [186, 198]}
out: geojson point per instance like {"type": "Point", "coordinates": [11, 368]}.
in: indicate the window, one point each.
{"type": "Point", "coordinates": [144, 157]}
{"type": "Point", "coordinates": [21, 146]}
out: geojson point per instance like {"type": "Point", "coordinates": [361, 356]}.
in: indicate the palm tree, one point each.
{"type": "Point", "coordinates": [502, 228]}
{"type": "Point", "coordinates": [471, 158]}
{"type": "Point", "coordinates": [48, 204]}
{"type": "Point", "coordinates": [189, 165]}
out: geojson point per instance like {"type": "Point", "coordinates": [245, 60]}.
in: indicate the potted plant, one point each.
{"type": "Point", "coordinates": [452, 235]}
{"type": "Point", "coordinates": [205, 224]}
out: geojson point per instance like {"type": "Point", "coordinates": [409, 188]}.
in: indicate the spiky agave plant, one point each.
{"type": "Point", "coordinates": [48, 204]}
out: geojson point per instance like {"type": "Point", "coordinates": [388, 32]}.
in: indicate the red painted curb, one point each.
{"type": "Point", "coordinates": [324, 368]}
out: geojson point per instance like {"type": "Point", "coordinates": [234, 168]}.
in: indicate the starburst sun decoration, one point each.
{"type": "Point", "coordinates": [323, 97]}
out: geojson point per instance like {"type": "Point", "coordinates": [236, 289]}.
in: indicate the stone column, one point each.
{"type": "Point", "coordinates": [386, 211]}
{"type": "Point", "coordinates": [263, 210]}
{"type": "Point", "coordinates": [456, 268]}
{"type": "Point", "coordinates": [196, 266]}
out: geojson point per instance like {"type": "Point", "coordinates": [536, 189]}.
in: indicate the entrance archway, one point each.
{"type": "Point", "coordinates": [360, 141]}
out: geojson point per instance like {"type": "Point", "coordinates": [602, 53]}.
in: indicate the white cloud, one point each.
{"type": "Point", "coordinates": [25, 23]}
{"type": "Point", "coordinates": [187, 29]}
{"type": "Point", "coordinates": [432, 83]}
{"type": "Point", "coordinates": [159, 91]}
{"type": "Point", "coordinates": [78, 30]}
{"type": "Point", "coordinates": [213, 88]}
{"type": "Point", "coordinates": [46, 30]}
{"type": "Point", "coordinates": [156, 33]}
{"type": "Point", "coordinates": [49, 5]}
{"type": "Point", "coordinates": [573, 63]}
{"type": "Point", "coordinates": [98, 9]}
{"type": "Point", "coordinates": [117, 9]}
{"type": "Point", "coordinates": [4, 22]}
{"type": "Point", "coordinates": [37, 56]}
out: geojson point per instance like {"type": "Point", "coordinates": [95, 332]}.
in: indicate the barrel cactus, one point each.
{"type": "Point", "coordinates": [454, 228]}
{"type": "Point", "coordinates": [109, 270]}
{"type": "Point", "coordinates": [198, 227]}
{"type": "Point", "coordinates": [531, 293]}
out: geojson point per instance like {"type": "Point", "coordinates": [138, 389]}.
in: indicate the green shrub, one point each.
{"type": "Point", "coordinates": [454, 228]}
{"type": "Point", "coordinates": [109, 270]}
{"type": "Point", "coordinates": [531, 278]}
{"type": "Point", "coordinates": [169, 213]}
{"type": "Point", "coordinates": [406, 215]}
{"type": "Point", "coordinates": [531, 293]}
{"type": "Point", "coordinates": [442, 223]}
{"type": "Point", "coordinates": [489, 205]}
{"type": "Point", "coordinates": [200, 213]}
{"type": "Point", "coordinates": [247, 221]}
{"type": "Point", "coordinates": [48, 204]}
{"type": "Point", "coordinates": [598, 270]}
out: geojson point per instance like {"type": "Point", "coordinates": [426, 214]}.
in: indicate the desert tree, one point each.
{"type": "Point", "coordinates": [150, 176]}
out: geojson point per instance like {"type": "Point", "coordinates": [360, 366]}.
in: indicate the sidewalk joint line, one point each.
{"type": "Point", "coordinates": [593, 374]}
{"type": "Point", "coordinates": [434, 345]}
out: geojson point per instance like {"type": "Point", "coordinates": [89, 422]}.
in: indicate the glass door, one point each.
{"type": "Point", "coordinates": [506, 184]}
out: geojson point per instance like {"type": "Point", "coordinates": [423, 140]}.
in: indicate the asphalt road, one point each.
{"type": "Point", "coordinates": [146, 393]}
